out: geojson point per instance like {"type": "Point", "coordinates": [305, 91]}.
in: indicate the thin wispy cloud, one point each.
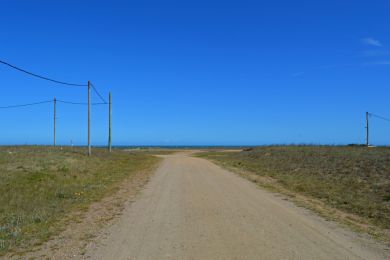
{"type": "Point", "coordinates": [372, 42]}
{"type": "Point", "coordinates": [377, 63]}
{"type": "Point", "coordinates": [368, 54]}
{"type": "Point", "coordinates": [297, 74]}
{"type": "Point", "coordinates": [338, 66]}
{"type": "Point", "coordinates": [376, 53]}
{"type": "Point", "coordinates": [326, 67]}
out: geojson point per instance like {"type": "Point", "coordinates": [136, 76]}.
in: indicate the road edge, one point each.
{"type": "Point", "coordinates": [345, 220]}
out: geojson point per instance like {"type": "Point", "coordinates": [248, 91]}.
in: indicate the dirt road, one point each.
{"type": "Point", "coordinates": [193, 209]}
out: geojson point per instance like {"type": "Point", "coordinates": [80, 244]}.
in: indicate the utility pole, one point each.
{"type": "Point", "coordinates": [55, 119]}
{"type": "Point", "coordinates": [367, 129]}
{"type": "Point", "coordinates": [89, 118]}
{"type": "Point", "coordinates": [109, 121]}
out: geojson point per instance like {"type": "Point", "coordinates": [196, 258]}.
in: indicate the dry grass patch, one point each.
{"type": "Point", "coordinates": [353, 180]}
{"type": "Point", "coordinates": [40, 186]}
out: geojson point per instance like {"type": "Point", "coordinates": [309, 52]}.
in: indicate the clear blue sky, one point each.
{"type": "Point", "coordinates": [199, 72]}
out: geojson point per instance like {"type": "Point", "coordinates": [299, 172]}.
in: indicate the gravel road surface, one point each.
{"type": "Point", "coordinates": [193, 209]}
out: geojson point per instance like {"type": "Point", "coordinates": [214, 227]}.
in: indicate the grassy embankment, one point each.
{"type": "Point", "coordinates": [40, 186]}
{"type": "Point", "coordinates": [337, 180]}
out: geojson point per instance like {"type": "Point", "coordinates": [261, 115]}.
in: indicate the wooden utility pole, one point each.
{"type": "Point", "coordinates": [55, 120]}
{"type": "Point", "coordinates": [367, 129]}
{"type": "Point", "coordinates": [109, 121]}
{"type": "Point", "coordinates": [89, 118]}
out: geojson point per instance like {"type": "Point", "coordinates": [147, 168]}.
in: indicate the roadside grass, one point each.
{"type": "Point", "coordinates": [353, 180]}
{"type": "Point", "coordinates": [40, 186]}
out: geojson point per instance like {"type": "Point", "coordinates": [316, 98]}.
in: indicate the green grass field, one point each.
{"type": "Point", "coordinates": [353, 179]}
{"type": "Point", "coordinates": [39, 186]}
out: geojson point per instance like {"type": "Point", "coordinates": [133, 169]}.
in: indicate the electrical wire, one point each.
{"type": "Point", "coordinates": [100, 96]}
{"type": "Point", "coordinates": [25, 105]}
{"type": "Point", "coordinates": [50, 101]}
{"type": "Point", "coordinates": [42, 77]}
{"type": "Point", "coordinates": [78, 103]}
{"type": "Point", "coordinates": [380, 117]}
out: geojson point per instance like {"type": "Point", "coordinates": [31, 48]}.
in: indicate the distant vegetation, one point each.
{"type": "Point", "coordinates": [353, 179]}
{"type": "Point", "coordinates": [39, 186]}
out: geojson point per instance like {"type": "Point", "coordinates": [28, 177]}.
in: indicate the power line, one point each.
{"type": "Point", "coordinates": [380, 117]}
{"type": "Point", "coordinates": [42, 77]}
{"type": "Point", "coordinates": [100, 96]}
{"type": "Point", "coordinates": [79, 103]}
{"type": "Point", "coordinates": [27, 104]}
{"type": "Point", "coordinates": [50, 101]}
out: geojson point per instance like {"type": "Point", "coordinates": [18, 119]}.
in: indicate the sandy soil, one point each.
{"type": "Point", "coordinates": [193, 209]}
